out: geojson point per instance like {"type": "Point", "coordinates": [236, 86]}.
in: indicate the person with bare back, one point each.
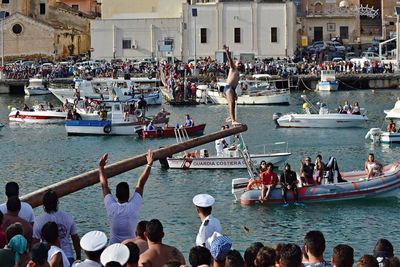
{"type": "Point", "coordinates": [230, 87]}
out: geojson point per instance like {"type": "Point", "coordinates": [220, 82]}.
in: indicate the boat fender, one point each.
{"type": "Point", "coordinates": [138, 113]}
{"type": "Point", "coordinates": [107, 129]}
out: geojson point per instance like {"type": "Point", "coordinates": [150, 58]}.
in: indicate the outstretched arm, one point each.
{"type": "Point", "coordinates": [228, 56]}
{"type": "Point", "coordinates": [145, 175]}
{"type": "Point", "coordinates": [102, 175]}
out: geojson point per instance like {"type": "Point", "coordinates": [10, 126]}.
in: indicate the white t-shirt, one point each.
{"type": "Point", "coordinates": [219, 146]}
{"type": "Point", "coordinates": [66, 228]}
{"type": "Point", "coordinates": [123, 218]}
{"type": "Point", "coordinates": [53, 251]}
{"type": "Point", "coordinates": [25, 213]}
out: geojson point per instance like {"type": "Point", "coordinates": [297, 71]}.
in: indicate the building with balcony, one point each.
{"type": "Point", "coordinates": [355, 21]}
{"type": "Point", "coordinates": [166, 28]}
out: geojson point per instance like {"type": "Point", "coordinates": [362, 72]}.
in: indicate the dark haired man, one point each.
{"type": "Point", "coordinates": [383, 251]}
{"type": "Point", "coordinates": [158, 253]}
{"type": "Point", "coordinates": [266, 257]}
{"type": "Point", "coordinates": [367, 261]}
{"type": "Point", "coordinates": [234, 259]}
{"type": "Point", "coordinates": [140, 240]}
{"type": "Point", "coordinates": [209, 224]}
{"type": "Point", "coordinates": [38, 255]}
{"type": "Point", "coordinates": [134, 254]}
{"type": "Point", "coordinates": [11, 217]}
{"type": "Point", "coordinates": [288, 181]}
{"type": "Point", "coordinates": [123, 213]}
{"type": "Point", "coordinates": [251, 253]}
{"type": "Point", "coordinates": [314, 247]}
{"type": "Point", "coordinates": [199, 255]}
{"type": "Point", "coordinates": [65, 222]}
{"type": "Point", "coordinates": [26, 211]}
{"type": "Point", "coordinates": [55, 256]}
{"type": "Point", "coordinates": [269, 180]}
{"type": "Point", "coordinates": [343, 256]}
{"type": "Point", "coordinates": [290, 256]}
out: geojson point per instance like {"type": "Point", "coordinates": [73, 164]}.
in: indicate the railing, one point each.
{"type": "Point", "coordinates": [274, 148]}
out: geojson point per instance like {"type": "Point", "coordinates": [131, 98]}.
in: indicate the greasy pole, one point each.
{"type": "Point", "coordinates": [89, 178]}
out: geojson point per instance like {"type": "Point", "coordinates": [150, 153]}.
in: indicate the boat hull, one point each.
{"type": "Point", "coordinates": [196, 130]}
{"type": "Point", "coordinates": [40, 117]}
{"type": "Point", "coordinates": [385, 185]}
{"type": "Point", "coordinates": [322, 121]}
{"type": "Point", "coordinates": [224, 162]}
{"type": "Point", "coordinates": [34, 91]}
{"type": "Point", "coordinates": [328, 86]}
{"type": "Point", "coordinates": [271, 99]}
{"type": "Point", "coordinates": [384, 137]}
{"type": "Point", "coordinates": [99, 127]}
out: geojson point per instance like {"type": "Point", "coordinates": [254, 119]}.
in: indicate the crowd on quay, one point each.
{"type": "Point", "coordinates": [303, 64]}
{"type": "Point", "coordinates": [52, 240]}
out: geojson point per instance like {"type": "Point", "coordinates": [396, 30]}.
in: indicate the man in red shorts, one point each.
{"type": "Point", "coordinates": [269, 180]}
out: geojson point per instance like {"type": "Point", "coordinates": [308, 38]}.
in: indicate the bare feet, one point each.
{"type": "Point", "coordinates": [236, 123]}
{"type": "Point", "coordinates": [261, 199]}
{"type": "Point", "coordinates": [228, 119]}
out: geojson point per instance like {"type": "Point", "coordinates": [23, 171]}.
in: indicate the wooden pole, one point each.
{"type": "Point", "coordinates": [86, 179]}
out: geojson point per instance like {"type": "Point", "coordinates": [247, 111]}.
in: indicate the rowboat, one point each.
{"type": "Point", "coordinates": [160, 132]}
{"type": "Point", "coordinates": [356, 186]}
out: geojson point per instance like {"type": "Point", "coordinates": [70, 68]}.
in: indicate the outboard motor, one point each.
{"type": "Point", "coordinates": [275, 117]}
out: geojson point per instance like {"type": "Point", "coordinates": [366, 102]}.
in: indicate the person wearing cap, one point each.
{"type": "Point", "coordinates": [118, 253]}
{"type": "Point", "coordinates": [288, 180]}
{"type": "Point", "coordinates": [93, 244]}
{"type": "Point", "coordinates": [158, 253]}
{"type": "Point", "coordinates": [209, 224]}
{"type": "Point", "coordinates": [219, 249]}
{"type": "Point", "coordinates": [123, 213]}
{"type": "Point", "coordinates": [307, 172]}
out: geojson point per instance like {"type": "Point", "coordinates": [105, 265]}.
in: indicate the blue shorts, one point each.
{"type": "Point", "coordinates": [227, 87]}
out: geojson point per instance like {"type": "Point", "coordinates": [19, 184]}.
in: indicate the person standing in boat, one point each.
{"type": "Point", "coordinates": [209, 224]}
{"type": "Point", "coordinates": [269, 180]}
{"type": "Point", "coordinates": [142, 105]}
{"type": "Point", "coordinates": [288, 180]}
{"type": "Point", "coordinates": [372, 167]}
{"type": "Point", "coordinates": [231, 84]}
{"type": "Point", "coordinates": [307, 172]}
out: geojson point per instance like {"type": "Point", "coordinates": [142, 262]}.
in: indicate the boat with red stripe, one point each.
{"type": "Point", "coordinates": [355, 186]}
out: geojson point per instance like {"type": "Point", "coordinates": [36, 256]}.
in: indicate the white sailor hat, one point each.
{"type": "Point", "coordinates": [94, 241]}
{"type": "Point", "coordinates": [116, 252]}
{"type": "Point", "coordinates": [203, 200]}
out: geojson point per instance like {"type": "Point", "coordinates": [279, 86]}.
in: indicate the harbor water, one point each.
{"type": "Point", "coordinates": [37, 156]}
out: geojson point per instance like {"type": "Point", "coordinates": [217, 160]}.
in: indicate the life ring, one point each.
{"type": "Point", "coordinates": [254, 184]}
{"type": "Point", "coordinates": [107, 129]}
{"type": "Point", "coordinates": [138, 113]}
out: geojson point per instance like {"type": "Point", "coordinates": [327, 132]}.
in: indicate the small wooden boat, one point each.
{"type": "Point", "coordinates": [160, 132]}
{"type": "Point", "coordinates": [356, 186]}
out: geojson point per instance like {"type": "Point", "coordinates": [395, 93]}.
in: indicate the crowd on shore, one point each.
{"type": "Point", "coordinates": [52, 239]}
{"type": "Point", "coordinates": [205, 67]}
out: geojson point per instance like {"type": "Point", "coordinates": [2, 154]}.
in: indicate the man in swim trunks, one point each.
{"type": "Point", "coordinates": [269, 180]}
{"type": "Point", "coordinates": [231, 84]}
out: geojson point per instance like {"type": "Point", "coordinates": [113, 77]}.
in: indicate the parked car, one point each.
{"type": "Point", "coordinates": [350, 55]}
{"type": "Point", "coordinates": [338, 46]}
{"type": "Point", "coordinates": [371, 56]}
{"type": "Point", "coordinates": [337, 59]}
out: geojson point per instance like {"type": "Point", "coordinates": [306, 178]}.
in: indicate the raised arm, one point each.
{"type": "Point", "coordinates": [102, 175]}
{"type": "Point", "coordinates": [145, 175]}
{"type": "Point", "coordinates": [228, 56]}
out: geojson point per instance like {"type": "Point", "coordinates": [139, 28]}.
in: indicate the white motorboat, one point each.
{"type": "Point", "coordinates": [118, 125]}
{"type": "Point", "coordinates": [319, 119]}
{"type": "Point", "coordinates": [231, 158]}
{"type": "Point", "coordinates": [36, 86]}
{"type": "Point", "coordinates": [123, 90]}
{"type": "Point", "coordinates": [328, 81]}
{"type": "Point", "coordinates": [377, 135]}
{"type": "Point", "coordinates": [37, 116]}
{"type": "Point", "coordinates": [394, 113]}
{"type": "Point", "coordinates": [247, 94]}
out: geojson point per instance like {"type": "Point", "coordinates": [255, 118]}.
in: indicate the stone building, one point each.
{"type": "Point", "coordinates": [354, 21]}
{"type": "Point", "coordinates": [37, 27]}
{"type": "Point", "coordinates": [167, 28]}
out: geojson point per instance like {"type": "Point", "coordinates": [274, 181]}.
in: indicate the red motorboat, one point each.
{"type": "Point", "coordinates": [196, 130]}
